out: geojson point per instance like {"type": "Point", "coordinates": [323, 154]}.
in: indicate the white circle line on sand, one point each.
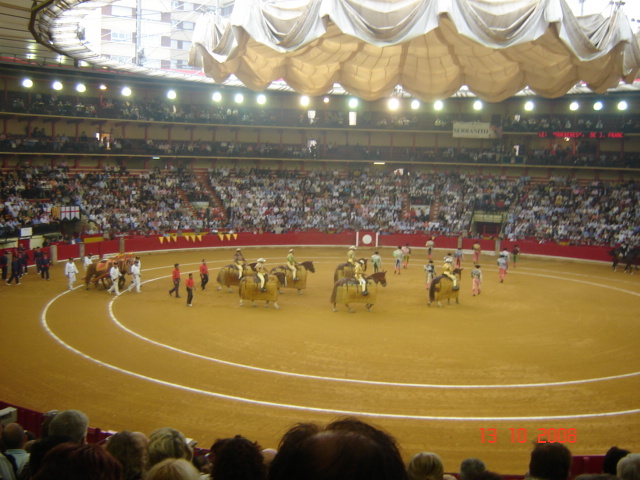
{"type": "Point", "coordinates": [380, 383]}
{"type": "Point", "coordinates": [311, 409]}
{"type": "Point", "coordinates": [115, 320]}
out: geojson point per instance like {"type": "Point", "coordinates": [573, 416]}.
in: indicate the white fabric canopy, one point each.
{"type": "Point", "coordinates": [429, 47]}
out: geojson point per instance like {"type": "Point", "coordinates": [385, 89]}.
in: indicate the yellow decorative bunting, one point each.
{"type": "Point", "coordinates": [221, 236]}
{"type": "Point", "coordinates": [235, 236]}
{"type": "Point", "coordinates": [161, 239]}
{"type": "Point", "coordinates": [227, 236]}
{"type": "Point", "coordinates": [199, 237]}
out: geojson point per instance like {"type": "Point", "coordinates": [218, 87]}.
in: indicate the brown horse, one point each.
{"type": "Point", "coordinates": [99, 272]}
{"type": "Point", "coordinates": [228, 276]}
{"type": "Point", "coordinates": [301, 282]}
{"type": "Point", "coordinates": [348, 290]}
{"type": "Point", "coordinates": [345, 270]}
{"type": "Point", "coordinates": [249, 289]}
{"type": "Point", "coordinates": [441, 288]}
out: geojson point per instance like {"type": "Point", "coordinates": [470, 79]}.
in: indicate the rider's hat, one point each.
{"type": "Point", "coordinates": [352, 247]}
{"type": "Point", "coordinates": [361, 261]}
{"type": "Point", "coordinates": [238, 249]}
{"type": "Point", "coordinates": [261, 260]}
{"type": "Point", "coordinates": [291, 250]}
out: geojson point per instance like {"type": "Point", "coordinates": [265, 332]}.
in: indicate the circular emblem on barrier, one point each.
{"type": "Point", "coordinates": [367, 239]}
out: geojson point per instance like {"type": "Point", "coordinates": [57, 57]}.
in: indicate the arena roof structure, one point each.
{"type": "Point", "coordinates": [428, 49]}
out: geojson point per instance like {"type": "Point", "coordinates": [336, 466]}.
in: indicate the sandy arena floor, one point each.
{"type": "Point", "coordinates": [554, 347]}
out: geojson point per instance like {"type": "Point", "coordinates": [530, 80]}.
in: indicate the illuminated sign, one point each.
{"type": "Point", "coordinates": [594, 135]}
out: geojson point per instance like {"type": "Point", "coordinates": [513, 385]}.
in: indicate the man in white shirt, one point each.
{"type": "Point", "coordinates": [70, 271]}
{"type": "Point", "coordinates": [135, 272]}
{"type": "Point", "coordinates": [86, 261]}
{"type": "Point", "coordinates": [114, 274]}
{"type": "Point", "coordinates": [13, 439]}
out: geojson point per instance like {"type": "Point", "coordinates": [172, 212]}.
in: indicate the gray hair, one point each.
{"type": "Point", "coordinates": [629, 467]}
{"type": "Point", "coordinates": [71, 423]}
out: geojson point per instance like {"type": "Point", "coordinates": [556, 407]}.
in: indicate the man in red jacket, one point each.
{"type": "Point", "coordinates": [175, 276]}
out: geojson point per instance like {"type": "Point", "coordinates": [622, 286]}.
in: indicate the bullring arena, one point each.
{"type": "Point", "coordinates": [180, 131]}
{"type": "Point", "coordinates": [554, 347]}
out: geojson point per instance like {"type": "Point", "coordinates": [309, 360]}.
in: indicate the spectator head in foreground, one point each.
{"type": "Point", "coordinates": [131, 451]}
{"type": "Point", "coordinates": [346, 449]}
{"type": "Point", "coordinates": [629, 467]}
{"type": "Point", "coordinates": [471, 467]}
{"type": "Point", "coordinates": [550, 461]}
{"type": "Point", "coordinates": [73, 461]}
{"type": "Point", "coordinates": [237, 458]}
{"type": "Point", "coordinates": [425, 466]}
{"type": "Point", "coordinates": [611, 459]}
{"type": "Point", "coordinates": [173, 469]}
{"type": "Point", "coordinates": [72, 423]}
{"type": "Point", "coordinates": [167, 443]}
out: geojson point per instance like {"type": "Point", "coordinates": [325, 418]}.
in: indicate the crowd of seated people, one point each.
{"type": "Point", "coordinates": [345, 449]}
{"type": "Point", "coordinates": [585, 154]}
{"type": "Point", "coordinates": [325, 201]}
{"type": "Point", "coordinates": [561, 209]}
{"type": "Point", "coordinates": [238, 199]}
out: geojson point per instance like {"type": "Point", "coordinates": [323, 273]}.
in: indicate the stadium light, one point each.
{"type": "Point", "coordinates": [261, 99]}
{"type": "Point", "coordinates": [27, 83]}
{"type": "Point", "coordinates": [415, 104]}
{"type": "Point", "coordinates": [438, 105]}
{"type": "Point", "coordinates": [238, 98]}
{"type": "Point", "coordinates": [126, 91]}
{"type": "Point", "coordinates": [56, 85]}
{"type": "Point", "coordinates": [353, 103]}
{"type": "Point", "coordinates": [477, 105]}
{"type": "Point", "coordinates": [304, 101]}
{"type": "Point", "coordinates": [81, 88]}
{"type": "Point", "coordinates": [574, 106]}
{"type": "Point", "coordinates": [393, 104]}
{"type": "Point", "coordinates": [216, 97]}
{"type": "Point", "coordinates": [622, 105]}
{"type": "Point", "coordinates": [598, 106]}
{"type": "Point", "coordinates": [171, 94]}
{"type": "Point", "coordinates": [529, 106]}
{"type": "Point", "coordinates": [102, 87]}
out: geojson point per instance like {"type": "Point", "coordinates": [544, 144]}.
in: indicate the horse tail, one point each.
{"type": "Point", "coordinates": [221, 275]}
{"type": "Point", "coordinates": [334, 293]}
{"type": "Point", "coordinates": [335, 274]}
{"type": "Point", "coordinates": [243, 282]}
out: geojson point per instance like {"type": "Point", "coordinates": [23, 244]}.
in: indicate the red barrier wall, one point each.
{"type": "Point", "coordinates": [155, 243]}
{"type": "Point", "coordinates": [587, 252]}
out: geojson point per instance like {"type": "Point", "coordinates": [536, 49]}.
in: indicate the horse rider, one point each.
{"type": "Point", "coordinates": [291, 264]}
{"type": "Point", "coordinates": [359, 274]}
{"type": "Point", "coordinates": [447, 271]}
{"type": "Point", "coordinates": [261, 272]}
{"type": "Point", "coordinates": [351, 256]}
{"type": "Point", "coordinates": [239, 262]}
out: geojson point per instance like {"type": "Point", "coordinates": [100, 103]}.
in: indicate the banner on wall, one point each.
{"type": "Point", "coordinates": [475, 130]}
{"type": "Point", "coordinates": [69, 213]}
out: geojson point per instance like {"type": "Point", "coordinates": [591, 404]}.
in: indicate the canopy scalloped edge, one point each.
{"type": "Point", "coordinates": [429, 47]}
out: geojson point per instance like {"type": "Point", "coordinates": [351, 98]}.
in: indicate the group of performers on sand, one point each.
{"type": "Point", "coordinates": [260, 270]}
{"type": "Point", "coordinates": [401, 255]}
{"type": "Point", "coordinates": [454, 260]}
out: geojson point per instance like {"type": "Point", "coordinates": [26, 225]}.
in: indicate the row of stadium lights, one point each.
{"type": "Point", "coordinates": [393, 103]}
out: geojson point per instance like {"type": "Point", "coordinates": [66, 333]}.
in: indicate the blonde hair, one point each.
{"type": "Point", "coordinates": [167, 443]}
{"type": "Point", "coordinates": [426, 466]}
{"type": "Point", "coordinates": [173, 469]}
